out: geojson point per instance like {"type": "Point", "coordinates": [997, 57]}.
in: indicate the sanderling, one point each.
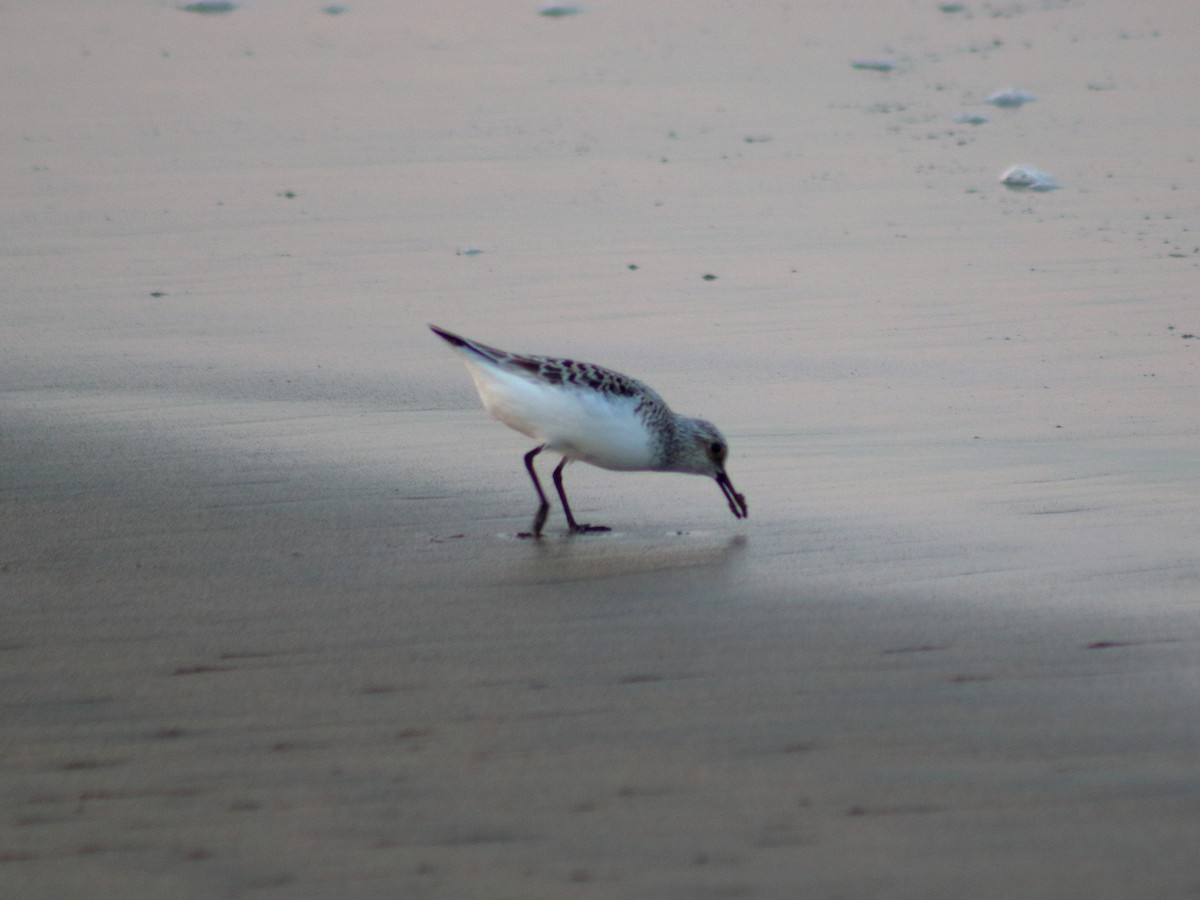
{"type": "Point", "coordinates": [586, 412]}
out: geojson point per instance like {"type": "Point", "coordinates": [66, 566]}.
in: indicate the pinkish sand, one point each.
{"type": "Point", "coordinates": [266, 630]}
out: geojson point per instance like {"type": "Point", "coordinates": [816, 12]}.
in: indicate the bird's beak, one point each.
{"type": "Point", "coordinates": [737, 503]}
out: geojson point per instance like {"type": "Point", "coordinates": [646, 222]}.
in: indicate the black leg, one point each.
{"type": "Point", "coordinates": [539, 518]}
{"type": "Point", "coordinates": [575, 527]}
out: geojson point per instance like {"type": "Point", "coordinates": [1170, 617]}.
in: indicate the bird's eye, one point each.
{"type": "Point", "coordinates": [716, 449]}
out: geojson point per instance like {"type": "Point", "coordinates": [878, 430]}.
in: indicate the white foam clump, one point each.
{"type": "Point", "coordinates": [1028, 178]}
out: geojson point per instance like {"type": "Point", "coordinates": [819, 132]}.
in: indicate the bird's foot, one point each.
{"type": "Point", "coordinates": [532, 535]}
{"type": "Point", "coordinates": [588, 529]}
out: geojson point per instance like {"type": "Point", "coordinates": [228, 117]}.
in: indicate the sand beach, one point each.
{"type": "Point", "coordinates": [266, 629]}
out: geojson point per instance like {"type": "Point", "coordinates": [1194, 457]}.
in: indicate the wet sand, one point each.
{"type": "Point", "coordinates": [267, 629]}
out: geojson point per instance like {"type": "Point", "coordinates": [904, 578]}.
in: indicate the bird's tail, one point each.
{"type": "Point", "coordinates": [491, 354]}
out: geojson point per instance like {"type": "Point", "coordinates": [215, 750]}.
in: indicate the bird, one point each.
{"type": "Point", "coordinates": [588, 413]}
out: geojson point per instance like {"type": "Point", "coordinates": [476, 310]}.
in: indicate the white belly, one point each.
{"type": "Point", "coordinates": [579, 423]}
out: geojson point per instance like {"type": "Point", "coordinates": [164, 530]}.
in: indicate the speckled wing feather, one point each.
{"type": "Point", "coordinates": [569, 373]}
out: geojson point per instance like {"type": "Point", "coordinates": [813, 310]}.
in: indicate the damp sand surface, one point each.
{"type": "Point", "coordinates": [266, 627]}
